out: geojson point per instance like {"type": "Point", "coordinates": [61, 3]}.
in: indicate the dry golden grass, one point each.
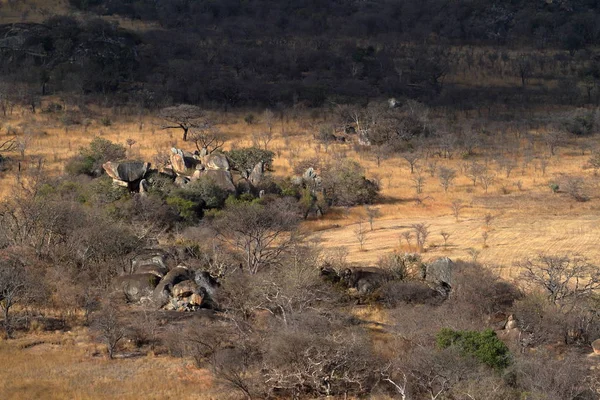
{"type": "Point", "coordinates": [62, 366]}
{"type": "Point", "coordinates": [525, 221]}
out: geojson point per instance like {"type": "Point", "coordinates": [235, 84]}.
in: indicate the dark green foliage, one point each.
{"type": "Point", "coordinates": [90, 159]}
{"type": "Point", "coordinates": [344, 184]}
{"type": "Point", "coordinates": [581, 125]}
{"type": "Point", "coordinates": [195, 197]}
{"type": "Point", "coordinates": [244, 160]}
{"type": "Point", "coordinates": [483, 346]}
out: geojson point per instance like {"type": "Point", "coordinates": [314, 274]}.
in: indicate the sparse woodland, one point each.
{"type": "Point", "coordinates": [387, 200]}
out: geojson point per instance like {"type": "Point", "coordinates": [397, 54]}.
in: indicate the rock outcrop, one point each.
{"type": "Point", "coordinates": [136, 286]}
{"type": "Point", "coordinates": [440, 272]}
{"type": "Point", "coordinates": [127, 173]}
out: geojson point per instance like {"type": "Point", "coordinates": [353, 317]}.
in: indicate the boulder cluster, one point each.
{"type": "Point", "coordinates": [184, 167]}
{"type": "Point", "coordinates": [153, 284]}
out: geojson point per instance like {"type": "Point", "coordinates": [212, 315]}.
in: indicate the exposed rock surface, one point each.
{"type": "Point", "coordinates": [136, 286]}
{"type": "Point", "coordinates": [127, 171]}
{"type": "Point", "coordinates": [440, 271]}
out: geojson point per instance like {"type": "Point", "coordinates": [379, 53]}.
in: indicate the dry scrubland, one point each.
{"type": "Point", "coordinates": [525, 220]}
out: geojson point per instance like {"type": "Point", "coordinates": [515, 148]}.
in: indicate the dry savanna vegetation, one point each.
{"type": "Point", "coordinates": [387, 200]}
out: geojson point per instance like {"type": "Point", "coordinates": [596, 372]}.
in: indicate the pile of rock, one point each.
{"type": "Point", "coordinates": [152, 284]}
{"type": "Point", "coordinates": [128, 174]}
{"type": "Point", "coordinates": [187, 167]}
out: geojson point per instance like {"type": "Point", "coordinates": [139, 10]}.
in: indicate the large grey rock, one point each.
{"type": "Point", "coordinates": [163, 290]}
{"type": "Point", "coordinates": [257, 173]}
{"type": "Point", "coordinates": [222, 178]}
{"type": "Point", "coordinates": [127, 171]}
{"type": "Point", "coordinates": [205, 280]}
{"type": "Point", "coordinates": [216, 162]}
{"type": "Point", "coordinates": [149, 257]}
{"type": "Point", "coordinates": [183, 164]}
{"type": "Point", "coordinates": [135, 286]}
{"type": "Point", "coordinates": [364, 280]}
{"type": "Point", "coordinates": [440, 271]}
{"type": "Point", "coordinates": [152, 269]}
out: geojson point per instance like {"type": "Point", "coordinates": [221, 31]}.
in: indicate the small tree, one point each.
{"type": "Point", "coordinates": [563, 278]}
{"type": "Point", "coordinates": [372, 214]}
{"type": "Point", "coordinates": [486, 181]}
{"type": "Point", "coordinates": [457, 206]}
{"type": "Point", "coordinates": [206, 137]}
{"type": "Point", "coordinates": [573, 186]}
{"type": "Point", "coordinates": [418, 183]}
{"type": "Point", "coordinates": [361, 235]}
{"type": "Point", "coordinates": [109, 327]}
{"type": "Point", "coordinates": [445, 235]}
{"type": "Point", "coordinates": [412, 159]}
{"type": "Point", "coordinates": [14, 288]}
{"type": "Point", "coordinates": [407, 235]}
{"type": "Point", "coordinates": [554, 139]}
{"type": "Point", "coordinates": [130, 142]}
{"type": "Point", "coordinates": [183, 116]}
{"type": "Point", "coordinates": [446, 176]}
{"type": "Point", "coordinates": [474, 171]}
{"type": "Point", "coordinates": [261, 233]}
{"type": "Point", "coordinates": [421, 231]}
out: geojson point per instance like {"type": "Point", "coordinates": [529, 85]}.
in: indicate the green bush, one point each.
{"type": "Point", "coordinates": [483, 346]}
{"type": "Point", "coordinates": [344, 184]}
{"type": "Point", "coordinates": [580, 125]}
{"type": "Point", "coordinates": [90, 159]}
{"type": "Point", "coordinates": [187, 209]}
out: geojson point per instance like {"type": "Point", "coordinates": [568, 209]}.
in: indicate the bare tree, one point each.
{"type": "Point", "coordinates": [407, 235]}
{"type": "Point", "coordinates": [524, 67]}
{"type": "Point", "coordinates": [421, 231]}
{"type": "Point", "coordinates": [554, 139]}
{"type": "Point", "coordinates": [183, 116]}
{"type": "Point", "coordinates": [262, 139]}
{"type": "Point", "coordinates": [445, 235]}
{"type": "Point", "coordinates": [593, 162]}
{"type": "Point", "coordinates": [269, 119]}
{"type": "Point", "coordinates": [261, 233]}
{"type": "Point", "coordinates": [206, 137]}
{"type": "Point", "coordinates": [109, 327]}
{"type": "Point", "coordinates": [488, 218]}
{"type": "Point", "coordinates": [508, 165]}
{"type": "Point", "coordinates": [486, 181]}
{"type": "Point", "coordinates": [563, 278]}
{"type": "Point", "coordinates": [372, 214]}
{"type": "Point", "coordinates": [431, 167]}
{"type": "Point", "coordinates": [474, 253]}
{"type": "Point", "coordinates": [474, 171]}
{"type": "Point", "coordinates": [14, 288]}
{"type": "Point", "coordinates": [412, 159]}
{"type": "Point", "coordinates": [130, 142]}
{"type": "Point", "coordinates": [573, 186]}
{"type": "Point", "coordinates": [418, 183]}
{"type": "Point", "coordinates": [361, 235]}
{"type": "Point", "coordinates": [457, 206]}
{"type": "Point", "coordinates": [446, 176]}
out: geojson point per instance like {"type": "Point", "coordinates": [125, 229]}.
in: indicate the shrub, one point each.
{"type": "Point", "coordinates": [344, 184]}
{"type": "Point", "coordinates": [90, 159]}
{"type": "Point", "coordinates": [412, 292]}
{"type": "Point", "coordinates": [483, 346]}
{"type": "Point", "coordinates": [580, 125]}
